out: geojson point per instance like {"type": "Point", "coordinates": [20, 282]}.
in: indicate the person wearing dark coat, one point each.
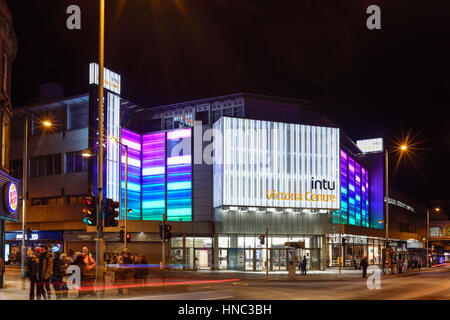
{"type": "Point", "coordinates": [45, 273]}
{"type": "Point", "coordinates": [364, 266]}
{"type": "Point", "coordinates": [304, 263]}
{"type": "Point", "coordinates": [32, 268]}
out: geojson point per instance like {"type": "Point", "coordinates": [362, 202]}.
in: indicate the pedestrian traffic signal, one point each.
{"type": "Point", "coordinates": [261, 239]}
{"type": "Point", "coordinates": [90, 210]}
{"type": "Point", "coordinates": [111, 213]}
{"type": "Point", "coordinates": [121, 234]}
{"type": "Point", "coordinates": [128, 237]}
{"type": "Point", "coordinates": [344, 241]}
{"type": "Point", "coordinates": [167, 233]}
{"type": "Point", "coordinates": [160, 231]}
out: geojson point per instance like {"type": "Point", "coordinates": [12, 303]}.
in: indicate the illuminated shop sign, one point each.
{"type": "Point", "coordinates": [11, 197]}
{"type": "Point", "coordinates": [34, 237]}
{"type": "Point", "coordinates": [370, 145]}
{"type": "Point", "coordinates": [271, 164]}
{"type": "Point", "coordinates": [111, 79]}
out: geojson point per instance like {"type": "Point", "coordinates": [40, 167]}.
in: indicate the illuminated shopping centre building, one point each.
{"type": "Point", "coordinates": [225, 170]}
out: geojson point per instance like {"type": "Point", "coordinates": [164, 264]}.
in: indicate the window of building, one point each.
{"type": "Point", "coordinates": [45, 165]}
{"type": "Point", "coordinates": [77, 116]}
{"type": "Point", "coordinates": [216, 115]}
{"type": "Point", "coordinates": [5, 138]}
{"type": "Point", "coordinates": [202, 116]}
{"type": "Point", "coordinates": [168, 123]}
{"type": "Point", "coordinates": [47, 201]}
{"type": "Point", "coordinates": [228, 112]}
{"type": "Point", "coordinates": [75, 162]}
{"type": "Point", "coordinates": [239, 112]}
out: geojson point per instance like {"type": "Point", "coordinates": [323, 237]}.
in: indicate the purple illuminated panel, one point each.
{"type": "Point", "coordinates": [153, 176]}
{"type": "Point", "coordinates": [133, 141]}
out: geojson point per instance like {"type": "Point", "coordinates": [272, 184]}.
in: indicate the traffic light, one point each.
{"type": "Point", "coordinates": [90, 211]}
{"type": "Point", "coordinates": [121, 234]}
{"type": "Point", "coordinates": [261, 239]}
{"type": "Point", "coordinates": [111, 213]}
{"type": "Point", "coordinates": [160, 231]}
{"type": "Point", "coordinates": [128, 237]}
{"type": "Point", "coordinates": [343, 242]}
{"type": "Point", "coordinates": [167, 229]}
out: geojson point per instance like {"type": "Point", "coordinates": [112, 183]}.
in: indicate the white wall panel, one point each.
{"type": "Point", "coordinates": [261, 156]}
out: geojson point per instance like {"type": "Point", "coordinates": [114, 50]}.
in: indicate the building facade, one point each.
{"type": "Point", "coordinates": [9, 202]}
{"type": "Point", "coordinates": [225, 170]}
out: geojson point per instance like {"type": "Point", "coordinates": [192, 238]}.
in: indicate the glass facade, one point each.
{"type": "Point", "coordinates": [159, 175]}
{"type": "Point", "coordinates": [179, 175]}
{"type": "Point", "coordinates": [356, 248]}
{"type": "Point", "coordinates": [153, 176]}
{"type": "Point", "coordinates": [354, 193]}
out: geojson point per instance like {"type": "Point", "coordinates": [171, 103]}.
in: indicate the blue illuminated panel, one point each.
{"type": "Point", "coordinates": [344, 191]}
{"type": "Point", "coordinates": [133, 141]}
{"type": "Point", "coordinates": [351, 192]}
{"type": "Point", "coordinates": [153, 176]}
{"type": "Point", "coordinates": [358, 193]}
{"type": "Point", "coordinates": [179, 175]}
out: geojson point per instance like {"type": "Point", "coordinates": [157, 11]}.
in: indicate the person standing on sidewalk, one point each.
{"type": "Point", "coordinates": [364, 265]}
{"type": "Point", "coordinates": [32, 267]}
{"type": "Point", "coordinates": [45, 273]}
{"type": "Point", "coordinates": [304, 263]}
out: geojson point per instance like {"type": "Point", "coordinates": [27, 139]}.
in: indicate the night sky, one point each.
{"type": "Point", "coordinates": [386, 83]}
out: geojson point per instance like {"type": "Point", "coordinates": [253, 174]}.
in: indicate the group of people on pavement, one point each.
{"type": "Point", "coordinates": [126, 268]}
{"type": "Point", "coordinates": [44, 268]}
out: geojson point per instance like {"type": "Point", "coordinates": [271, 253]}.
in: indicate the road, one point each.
{"type": "Point", "coordinates": [426, 285]}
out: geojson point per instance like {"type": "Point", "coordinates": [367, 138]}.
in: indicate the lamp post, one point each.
{"type": "Point", "coordinates": [99, 242]}
{"type": "Point", "coordinates": [428, 232]}
{"type": "Point", "coordinates": [48, 124]}
{"type": "Point", "coordinates": [386, 153]}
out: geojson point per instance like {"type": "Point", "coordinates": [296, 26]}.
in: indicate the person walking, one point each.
{"type": "Point", "coordinates": [88, 272]}
{"type": "Point", "coordinates": [58, 274]}
{"type": "Point", "coordinates": [364, 266]}
{"type": "Point", "coordinates": [355, 265]}
{"type": "Point", "coordinates": [45, 273]}
{"type": "Point", "coordinates": [2, 271]}
{"type": "Point", "coordinates": [32, 267]}
{"type": "Point", "coordinates": [304, 263]}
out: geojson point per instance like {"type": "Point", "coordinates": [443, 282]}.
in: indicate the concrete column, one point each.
{"type": "Point", "coordinates": [323, 253]}
{"type": "Point", "coordinates": [184, 252]}
{"type": "Point", "coordinates": [215, 258]}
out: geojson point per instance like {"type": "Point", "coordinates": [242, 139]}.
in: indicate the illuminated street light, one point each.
{"type": "Point", "coordinates": [87, 153]}
{"type": "Point", "coordinates": [403, 148]}
{"type": "Point", "coordinates": [47, 123]}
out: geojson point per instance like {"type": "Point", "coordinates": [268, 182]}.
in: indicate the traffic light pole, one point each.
{"type": "Point", "coordinates": [126, 199]}
{"type": "Point", "coordinates": [164, 243]}
{"type": "Point", "coordinates": [267, 253]}
{"type": "Point", "coordinates": [99, 242]}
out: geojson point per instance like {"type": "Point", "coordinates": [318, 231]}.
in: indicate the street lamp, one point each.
{"type": "Point", "coordinates": [428, 231]}
{"type": "Point", "coordinates": [402, 148]}
{"type": "Point", "coordinates": [114, 139]}
{"type": "Point", "coordinates": [47, 124]}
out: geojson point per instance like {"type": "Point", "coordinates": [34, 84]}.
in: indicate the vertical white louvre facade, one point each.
{"type": "Point", "coordinates": [271, 164]}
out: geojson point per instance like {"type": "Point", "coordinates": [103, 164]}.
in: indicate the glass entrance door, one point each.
{"type": "Point", "coordinates": [249, 259]}
{"type": "Point", "coordinates": [278, 259]}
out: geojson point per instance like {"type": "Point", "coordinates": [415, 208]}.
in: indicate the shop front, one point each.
{"type": "Point", "coordinates": [53, 240]}
{"type": "Point", "coordinates": [356, 248]}
{"type": "Point", "coordinates": [9, 210]}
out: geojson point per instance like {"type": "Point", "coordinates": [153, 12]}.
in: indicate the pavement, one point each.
{"type": "Point", "coordinates": [211, 285]}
